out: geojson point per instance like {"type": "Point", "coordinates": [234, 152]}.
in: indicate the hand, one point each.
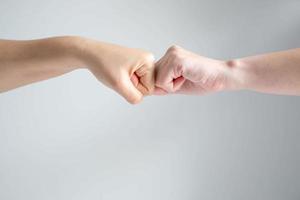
{"type": "Point", "coordinates": [130, 72]}
{"type": "Point", "coordinates": [181, 71]}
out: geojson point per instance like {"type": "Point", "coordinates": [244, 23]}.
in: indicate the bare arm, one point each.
{"type": "Point", "coordinates": [181, 71]}
{"type": "Point", "coordinates": [128, 71]}
{"type": "Point", "coordinates": [24, 62]}
{"type": "Point", "coordinates": [277, 73]}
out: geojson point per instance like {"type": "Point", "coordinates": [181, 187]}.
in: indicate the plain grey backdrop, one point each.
{"type": "Point", "coordinates": [72, 138]}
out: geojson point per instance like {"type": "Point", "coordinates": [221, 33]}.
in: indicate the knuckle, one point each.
{"type": "Point", "coordinates": [149, 58]}
{"type": "Point", "coordinates": [174, 52]}
{"type": "Point", "coordinates": [174, 48]}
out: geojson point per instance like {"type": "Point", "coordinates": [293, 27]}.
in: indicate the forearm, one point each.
{"type": "Point", "coordinates": [277, 73]}
{"type": "Point", "coordinates": [25, 62]}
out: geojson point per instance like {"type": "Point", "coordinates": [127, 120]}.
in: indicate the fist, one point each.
{"type": "Point", "coordinates": [183, 72]}
{"type": "Point", "coordinates": [128, 71]}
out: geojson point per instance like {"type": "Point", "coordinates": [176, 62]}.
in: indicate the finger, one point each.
{"type": "Point", "coordinates": [169, 78]}
{"type": "Point", "coordinates": [164, 76]}
{"type": "Point", "coordinates": [135, 80]}
{"type": "Point", "coordinates": [129, 91]}
{"type": "Point", "coordinates": [145, 75]}
{"type": "Point", "coordinates": [137, 83]}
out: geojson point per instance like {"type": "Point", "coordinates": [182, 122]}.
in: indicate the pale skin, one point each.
{"type": "Point", "coordinates": [133, 74]}
{"type": "Point", "coordinates": [126, 70]}
{"type": "Point", "coordinates": [183, 72]}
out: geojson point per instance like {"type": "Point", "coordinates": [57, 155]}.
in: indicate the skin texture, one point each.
{"type": "Point", "coordinates": [131, 72]}
{"type": "Point", "coordinates": [182, 72]}
{"type": "Point", "coordinates": [128, 71]}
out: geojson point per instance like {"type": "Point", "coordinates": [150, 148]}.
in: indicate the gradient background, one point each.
{"type": "Point", "coordinates": [72, 138]}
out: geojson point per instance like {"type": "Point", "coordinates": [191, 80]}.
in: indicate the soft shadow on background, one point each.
{"type": "Point", "coordinates": [72, 138]}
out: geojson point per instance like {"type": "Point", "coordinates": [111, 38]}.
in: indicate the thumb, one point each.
{"type": "Point", "coordinates": [129, 91]}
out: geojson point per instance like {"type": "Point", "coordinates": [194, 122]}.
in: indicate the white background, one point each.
{"type": "Point", "coordinates": [72, 138]}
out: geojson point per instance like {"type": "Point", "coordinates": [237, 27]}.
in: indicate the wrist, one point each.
{"type": "Point", "coordinates": [63, 50]}
{"type": "Point", "coordinates": [77, 49]}
{"type": "Point", "coordinates": [89, 53]}
{"type": "Point", "coordinates": [238, 74]}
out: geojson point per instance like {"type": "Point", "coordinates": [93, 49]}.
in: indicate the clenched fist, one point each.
{"type": "Point", "coordinates": [181, 71]}
{"type": "Point", "coordinates": [130, 72]}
